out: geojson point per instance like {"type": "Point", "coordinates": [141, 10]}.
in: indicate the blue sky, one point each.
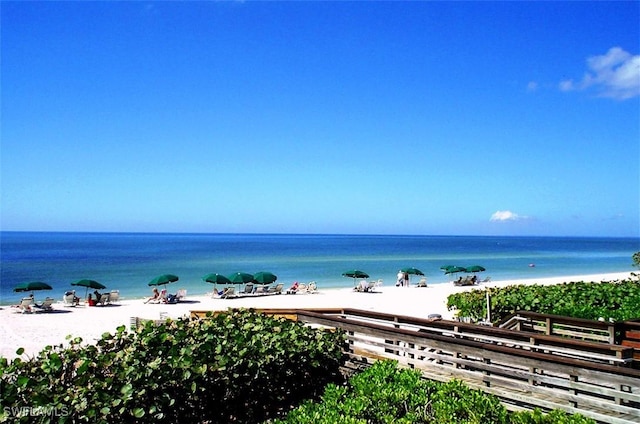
{"type": "Point", "coordinates": [452, 118]}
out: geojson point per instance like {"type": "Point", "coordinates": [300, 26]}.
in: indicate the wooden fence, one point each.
{"type": "Point", "coordinates": [525, 370]}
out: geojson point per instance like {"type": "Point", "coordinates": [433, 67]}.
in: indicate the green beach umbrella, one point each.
{"type": "Point", "coordinates": [446, 267]}
{"type": "Point", "coordinates": [216, 279]}
{"type": "Point", "coordinates": [264, 277]}
{"type": "Point", "coordinates": [32, 286]}
{"type": "Point", "coordinates": [412, 270]}
{"type": "Point", "coordinates": [355, 273]}
{"type": "Point", "coordinates": [89, 284]}
{"type": "Point", "coordinates": [164, 279]}
{"type": "Point", "coordinates": [240, 278]}
{"type": "Point", "coordinates": [475, 268]}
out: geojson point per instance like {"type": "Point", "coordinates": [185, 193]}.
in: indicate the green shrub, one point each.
{"type": "Point", "coordinates": [610, 300]}
{"type": "Point", "coordinates": [235, 367]}
{"type": "Point", "coordinates": [384, 394]}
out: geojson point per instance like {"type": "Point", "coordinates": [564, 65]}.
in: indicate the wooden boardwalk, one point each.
{"type": "Point", "coordinates": [525, 370]}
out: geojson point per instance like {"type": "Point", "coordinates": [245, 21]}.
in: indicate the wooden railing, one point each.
{"type": "Point", "coordinates": [524, 370]}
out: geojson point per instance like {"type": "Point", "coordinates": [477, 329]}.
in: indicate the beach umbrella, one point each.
{"type": "Point", "coordinates": [89, 284]}
{"type": "Point", "coordinates": [475, 268]}
{"type": "Point", "coordinates": [455, 269]}
{"type": "Point", "coordinates": [264, 277]}
{"type": "Point", "coordinates": [216, 279]}
{"type": "Point", "coordinates": [240, 278]}
{"type": "Point", "coordinates": [446, 267]}
{"type": "Point", "coordinates": [355, 273]}
{"type": "Point", "coordinates": [32, 286]}
{"type": "Point", "coordinates": [412, 270]}
{"type": "Point", "coordinates": [164, 279]}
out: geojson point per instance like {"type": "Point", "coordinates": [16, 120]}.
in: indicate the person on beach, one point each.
{"type": "Point", "coordinates": [400, 279]}
{"type": "Point", "coordinates": [294, 288]}
{"type": "Point", "coordinates": [154, 297]}
{"type": "Point", "coordinates": [90, 301]}
{"type": "Point", "coordinates": [405, 277]}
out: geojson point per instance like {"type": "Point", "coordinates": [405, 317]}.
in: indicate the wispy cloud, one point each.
{"type": "Point", "coordinates": [615, 74]}
{"type": "Point", "coordinates": [501, 216]}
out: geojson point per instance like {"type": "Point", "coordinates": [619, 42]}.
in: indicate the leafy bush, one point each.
{"type": "Point", "coordinates": [617, 300]}
{"type": "Point", "coordinates": [384, 394]}
{"type": "Point", "coordinates": [235, 367]}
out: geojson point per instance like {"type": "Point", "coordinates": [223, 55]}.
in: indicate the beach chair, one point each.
{"type": "Point", "coordinates": [277, 289]}
{"type": "Point", "coordinates": [248, 288]}
{"type": "Point", "coordinates": [69, 299]}
{"type": "Point", "coordinates": [45, 306]}
{"type": "Point", "coordinates": [422, 282]}
{"type": "Point", "coordinates": [25, 305]}
{"type": "Point", "coordinates": [371, 286]}
{"type": "Point", "coordinates": [311, 287]}
{"type": "Point", "coordinates": [261, 290]}
{"type": "Point", "coordinates": [228, 293]}
{"type": "Point", "coordinates": [181, 294]}
{"type": "Point", "coordinates": [102, 300]}
{"type": "Point", "coordinates": [362, 286]}
{"type": "Point", "coordinates": [114, 296]}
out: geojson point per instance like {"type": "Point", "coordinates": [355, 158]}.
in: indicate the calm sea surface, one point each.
{"type": "Point", "coordinates": [128, 261]}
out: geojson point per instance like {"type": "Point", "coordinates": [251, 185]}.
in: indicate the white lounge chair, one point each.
{"type": "Point", "coordinates": [103, 299]}
{"type": "Point", "coordinates": [422, 282]}
{"type": "Point", "coordinates": [69, 299]}
{"type": "Point", "coordinates": [181, 294]}
{"type": "Point", "coordinates": [371, 286]}
{"type": "Point", "coordinates": [228, 293]}
{"type": "Point", "coordinates": [25, 305]}
{"type": "Point", "coordinates": [45, 306]}
{"type": "Point", "coordinates": [277, 289]}
{"type": "Point", "coordinates": [312, 287]}
{"type": "Point", "coordinates": [114, 296]}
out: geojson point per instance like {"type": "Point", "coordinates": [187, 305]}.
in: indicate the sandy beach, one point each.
{"type": "Point", "coordinates": [36, 330]}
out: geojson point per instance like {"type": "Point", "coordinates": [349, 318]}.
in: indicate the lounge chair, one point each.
{"type": "Point", "coordinates": [371, 286]}
{"type": "Point", "coordinates": [362, 286]}
{"type": "Point", "coordinates": [181, 294]}
{"type": "Point", "coordinates": [114, 296]}
{"type": "Point", "coordinates": [228, 293]}
{"type": "Point", "coordinates": [422, 282]}
{"type": "Point", "coordinates": [69, 299]}
{"type": "Point", "coordinates": [102, 300]}
{"type": "Point", "coordinates": [45, 306]}
{"type": "Point", "coordinates": [261, 290]}
{"type": "Point", "coordinates": [312, 288]}
{"type": "Point", "coordinates": [277, 289]}
{"type": "Point", "coordinates": [25, 305]}
{"type": "Point", "coordinates": [248, 288]}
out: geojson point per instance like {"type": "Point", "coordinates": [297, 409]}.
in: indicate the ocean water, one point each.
{"type": "Point", "coordinates": [128, 261]}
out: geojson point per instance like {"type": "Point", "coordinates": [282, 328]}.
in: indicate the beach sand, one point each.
{"type": "Point", "coordinates": [36, 330]}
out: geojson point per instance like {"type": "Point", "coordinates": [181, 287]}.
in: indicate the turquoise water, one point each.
{"type": "Point", "coordinates": [128, 261]}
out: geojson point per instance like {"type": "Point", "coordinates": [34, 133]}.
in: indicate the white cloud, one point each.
{"type": "Point", "coordinates": [505, 216]}
{"type": "Point", "coordinates": [532, 86]}
{"type": "Point", "coordinates": [615, 74]}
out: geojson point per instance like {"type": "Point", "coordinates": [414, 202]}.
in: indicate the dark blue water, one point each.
{"type": "Point", "coordinates": [127, 262]}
